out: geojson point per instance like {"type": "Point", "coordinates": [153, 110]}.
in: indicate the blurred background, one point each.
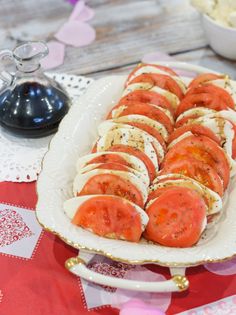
{"type": "Point", "coordinates": [126, 30]}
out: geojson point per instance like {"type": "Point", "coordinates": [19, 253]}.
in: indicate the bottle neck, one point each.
{"type": "Point", "coordinates": [27, 67]}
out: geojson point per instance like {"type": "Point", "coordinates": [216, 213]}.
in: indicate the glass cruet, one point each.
{"type": "Point", "coordinates": [31, 104]}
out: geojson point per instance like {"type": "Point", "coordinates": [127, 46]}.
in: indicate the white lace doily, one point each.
{"type": "Point", "coordinates": [20, 158]}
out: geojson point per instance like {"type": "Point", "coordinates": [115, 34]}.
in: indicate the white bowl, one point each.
{"type": "Point", "coordinates": [222, 39]}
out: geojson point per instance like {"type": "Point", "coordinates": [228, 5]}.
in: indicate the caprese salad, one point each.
{"type": "Point", "coordinates": [162, 162]}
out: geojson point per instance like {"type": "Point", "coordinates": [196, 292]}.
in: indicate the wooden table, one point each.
{"type": "Point", "coordinates": [126, 30]}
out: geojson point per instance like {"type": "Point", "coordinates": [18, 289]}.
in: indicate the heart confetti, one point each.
{"type": "Point", "coordinates": [137, 307]}
{"type": "Point", "coordinates": [55, 57]}
{"type": "Point", "coordinates": [79, 7]}
{"type": "Point", "coordinates": [86, 14]}
{"type": "Point", "coordinates": [76, 33]}
{"type": "Point", "coordinates": [223, 269]}
{"type": "Point", "coordinates": [158, 301]}
{"type": "Point", "coordinates": [73, 2]}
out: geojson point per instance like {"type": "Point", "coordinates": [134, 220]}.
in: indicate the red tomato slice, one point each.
{"type": "Point", "coordinates": [202, 149]}
{"type": "Point", "coordinates": [154, 193]}
{"type": "Point", "coordinates": [196, 129]}
{"type": "Point", "coordinates": [159, 191]}
{"type": "Point", "coordinates": [111, 217]}
{"type": "Point", "coordinates": [148, 110]}
{"type": "Point", "coordinates": [145, 96]}
{"type": "Point", "coordinates": [110, 184]}
{"type": "Point", "coordinates": [209, 96]}
{"type": "Point", "coordinates": [139, 154]}
{"type": "Point", "coordinates": [112, 166]}
{"type": "Point", "coordinates": [200, 171]}
{"type": "Point", "coordinates": [109, 158]}
{"type": "Point", "coordinates": [204, 78]}
{"type": "Point", "coordinates": [161, 80]}
{"type": "Point", "coordinates": [163, 68]}
{"type": "Point", "coordinates": [200, 100]}
{"type": "Point", "coordinates": [176, 218]}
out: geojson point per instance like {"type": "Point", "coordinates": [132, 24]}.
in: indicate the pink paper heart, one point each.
{"type": "Point", "coordinates": [137, 307]}
{"type": "Point", "coordinates": [157, 300]}
{"type": "Point", "coordinates": [55, 57]}
{"type": "Point", "coordinates": [86, 14]}
{"type": "Point", "coordinates": [78, 8]}
{"type": "Point", "coordinates": [223, 269]}
{"type": "Point", "coordinates": [76, 33]}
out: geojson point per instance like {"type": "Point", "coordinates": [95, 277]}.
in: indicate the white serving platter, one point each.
{"type": "Point", "coordinates": [75, 137]}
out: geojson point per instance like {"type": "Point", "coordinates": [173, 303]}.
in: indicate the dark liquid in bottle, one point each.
{"type": "Point", "coordinates": [32, 109]}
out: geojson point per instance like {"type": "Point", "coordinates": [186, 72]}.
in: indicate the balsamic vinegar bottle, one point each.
{"type": "Point", "coordinates": [31, 104]}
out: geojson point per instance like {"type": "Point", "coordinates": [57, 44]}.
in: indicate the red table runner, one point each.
{"type": "Point", "coordinates": [33, 279]}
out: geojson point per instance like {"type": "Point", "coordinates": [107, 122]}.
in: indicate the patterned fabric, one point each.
{"type": "Point", "coordinates": [12, 227]}
{"type": "Point", "coordinates": [33, 279]}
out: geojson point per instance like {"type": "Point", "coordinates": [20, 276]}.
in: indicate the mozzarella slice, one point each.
{"type": "Point", "coordinates": [91, 167]}
{"type": "Point", "coordinates": [152, 69]}
{"type": "Point", "coordinates": [129, 137]}
{"type": "Point", "coordinates": [72, 205]}
{"type": "Point", "coordinates": [134, 162]}
{"type": "Point", "coordinates": [226, 114]}
{"type": "Point", "coordinates": [200, 111]}
{"type": "Point", "coordinates": [118, 111]}
{"type": "Point", "coordinates": [144, 120]}
{"type": "Point", "coordinates": [172, 98]}
{"type": "Point", "coordinates": [81, 179]}
{"type": "Point", "coordinates": [109, 125]}
{"type": "Point", "coordinates": [213, 199]}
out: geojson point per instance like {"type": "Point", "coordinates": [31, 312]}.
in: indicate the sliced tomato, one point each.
{"type": "Point", "coordinates": [139, 154]}
{"type": "Point", "coordinates": [111, 217]}
{"type": "Point", "coordinates": [195, 129]}
{"type": "Point", "coordinates": [161, 80]}
{"type": "Point", "coordinates": [209, 96]}
{"type": "Point", "coordinates": [109, 158]}
{"type": "Point", "coordinates": [202, 149]}
{"type": "Point", "coordinates": [198, 170]}
{"type": "Point", "coordinates": [163, 68]}
{"type": "Point", "coordinates": [200, 100]}
{"type": "Point", "coordinates": [176, 218]}
{"type": "Point", "coordinates": [204, 78]}
{"type": "Point", "coordinates": [110, 184]}
{"type": "Point", "coordinates": [145, 96]}
{"type": "Point", "coordinates": [148, 110]}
